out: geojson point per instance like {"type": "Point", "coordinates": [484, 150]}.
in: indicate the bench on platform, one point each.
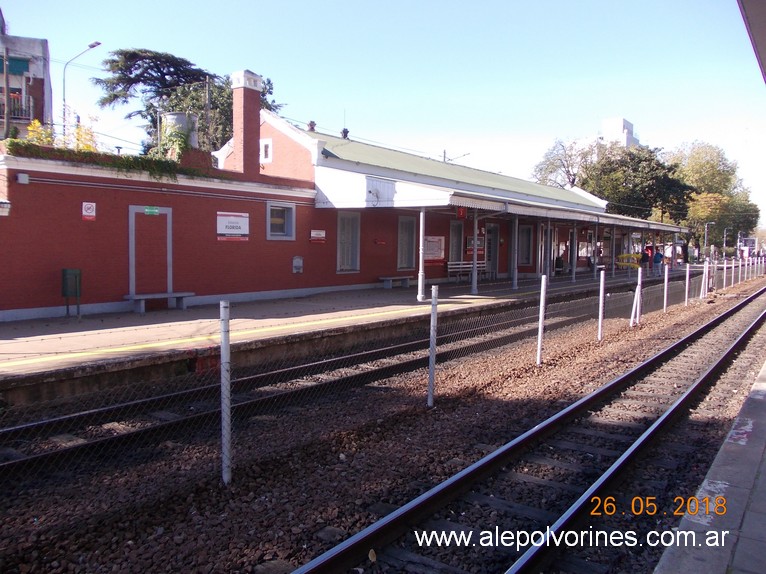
{"type": "Point", "coordinates": [460, 268]}
{"type": "Point", "coordinates": [388, 282]}
{"type": "Point", "coordinates": [139, 299]}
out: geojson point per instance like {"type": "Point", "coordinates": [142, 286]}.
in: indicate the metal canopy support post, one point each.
{"type": "Point", "coordinates": [515, 254]}
{"type": "Point", "coordinates": [422, 256]}
{"type": "Point", "coordinates": [474, 267]}
{"type": "Point", "coordinates": [614, 239]}
{"type": "Point", "coordinates": [573, 253]}
{"type": "Point", "coordinates": [594, 249]}
{"type": "Point", "coordinates": [546, 267]}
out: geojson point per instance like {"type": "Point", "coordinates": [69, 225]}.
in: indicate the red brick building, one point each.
{"type": "Point", "coordinates": [291, 212]}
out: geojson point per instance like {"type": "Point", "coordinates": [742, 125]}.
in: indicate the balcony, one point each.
{"type": "Point", "coordinates": [21, 107]}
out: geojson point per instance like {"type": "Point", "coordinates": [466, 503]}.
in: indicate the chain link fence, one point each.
{"type": "Point", "coordinates": [158, 433]}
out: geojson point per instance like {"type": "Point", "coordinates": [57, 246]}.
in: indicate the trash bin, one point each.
{"type": "Point", "coordinates": [70, 287]}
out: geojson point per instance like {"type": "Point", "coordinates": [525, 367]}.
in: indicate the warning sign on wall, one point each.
{"type": "Point", "coordinates": [88, 211]}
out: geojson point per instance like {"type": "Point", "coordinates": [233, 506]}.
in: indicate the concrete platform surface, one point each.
{"type": "Point", "coordinates": [45, 345]}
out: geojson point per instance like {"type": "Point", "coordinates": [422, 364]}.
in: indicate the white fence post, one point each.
{"type": "Point", "coordinates": [225, 395]}
{"type": "Point", "coordinates": [665, 292]}
{"type": "Point", "coordinates": [686, 302]}
{"type": "Point", "coordinates": [704, 285]}
{"type": "Point", "coordinates": [601, 288]}
{"type": "Point", "coordinates": [635, 312]}
{"type": "Point", "coordinates": [724, 273]}
{"type": "Point", "coordinates": [432, 346]}
{"type": "Point", "coordinates": [541, 320]}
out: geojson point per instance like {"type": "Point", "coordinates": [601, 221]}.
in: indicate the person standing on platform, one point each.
{"type": "Point", "coordinates": [657, 262]}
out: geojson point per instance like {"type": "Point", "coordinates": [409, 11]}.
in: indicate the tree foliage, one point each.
{"type": "Point", "coordinates": [147, 74]}
{"type": "Point", "coordinates": [167, 83]}
{"type": "Point", "coordinates": [706, 167]}
{"type": "Point", "coordinates": [562, 165]}
{"type": "Point", "coordinates": [637, 183]}
{"type": "Point", "coordinates": [720, 196]}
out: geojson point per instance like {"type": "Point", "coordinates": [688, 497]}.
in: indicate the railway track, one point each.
{"type": "Point", "coordinates": [28, 445]}
{"type": "Point", "coordinates": [552, 478]}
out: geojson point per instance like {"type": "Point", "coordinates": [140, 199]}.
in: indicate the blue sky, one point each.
{"type": "Point", "coordinates": [492, 82]}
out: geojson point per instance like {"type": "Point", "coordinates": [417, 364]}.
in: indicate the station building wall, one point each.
{"type": "Point", "coordinates": [48, 231]}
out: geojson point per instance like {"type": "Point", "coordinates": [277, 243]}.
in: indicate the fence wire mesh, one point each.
{"type": "Point", "coordinates": [64, 438]}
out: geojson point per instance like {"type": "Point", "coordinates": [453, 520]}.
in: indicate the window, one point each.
{"type": "Point", "coordinates": [267, 150]}
{"type": "Point", "coordinates": [525, 245]}
{"type": "Point", "coordinates": [280, 223]}
{"type": "Point", "coordinates": [348, 241]}
{"type": "Point", "coordinates": [406, 253]}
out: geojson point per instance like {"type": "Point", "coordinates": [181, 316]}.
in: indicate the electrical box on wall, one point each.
{"type": "Point", "coordinates": [297, 264]}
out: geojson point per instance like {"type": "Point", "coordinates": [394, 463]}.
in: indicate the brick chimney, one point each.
{"type": "Point", "coordinates": [245, 157]}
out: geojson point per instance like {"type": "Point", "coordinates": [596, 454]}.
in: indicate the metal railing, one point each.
{"type": "Point", "coordinates": [21, 107]}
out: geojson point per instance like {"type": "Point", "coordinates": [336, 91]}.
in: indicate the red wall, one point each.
{"type": "Point", "coordinates": [46, 232]}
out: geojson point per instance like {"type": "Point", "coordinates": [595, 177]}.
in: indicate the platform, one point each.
{"type": "Point", "coordinates": [47, 345]}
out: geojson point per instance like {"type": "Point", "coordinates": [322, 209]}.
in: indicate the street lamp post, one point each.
{"type": "Point", "coordinates": [63, 82]}
{"type": "Point", "coordinates": [704, 249]}
{"type": "Point", "coordinates": [725, 229]}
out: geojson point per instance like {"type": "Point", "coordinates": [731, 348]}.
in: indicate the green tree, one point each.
{"type": "Point", "coordinates": [166, 83]}
{"type": "Point", "coordinates": [720, 195]}
{"type": "Point", "coordinates": [637, 183]}
{"type": "Point", "coordinates": [147, 74]}
{"type": "Point", "coordinates": [706, 168]}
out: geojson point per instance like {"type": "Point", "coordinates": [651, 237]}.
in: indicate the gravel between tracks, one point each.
{"type": "Point", "coordinates": [315, 474]}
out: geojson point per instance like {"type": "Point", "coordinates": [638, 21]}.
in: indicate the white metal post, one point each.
{"type": "Point", "coordinates": [422, 256]}
{"type": "Point", "coordinates": [715, 275]}
{"type": "Point", "coordinates": [640, 287]}
{"type": "Point", "coordinates": [739, 271]}
{"type": "Point", "coordinates": [665, 295]}
{"type": "Point", "coordinates": [225, 395]}
{"type": "Point", "coordinates": [432, 346]}
{"type": "Point", "coordinates": [732, 271]}
{"type": "Point", "coordinates": [686, 300]}
{"type": "Point", "coordinates": [724, 272]}
{"type": "Point", "coordinates": [601, 289]}
{"type": "Point", "coordinates": [541, 320]}
{"type": "Point", "coordinates": [635, 313]}
{"type": "Point", "coordinates": [703, 285]}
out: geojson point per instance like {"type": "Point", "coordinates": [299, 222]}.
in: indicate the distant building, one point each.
{"type": "Point", "coordinates": [27, 74]}
{"type": "Point", "coordinates": [618, 130]}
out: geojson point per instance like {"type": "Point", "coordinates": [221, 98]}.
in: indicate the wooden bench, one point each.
{"type": "Point", "coordinates": [388, 282]}
{"type": "Point", "coordinates": [139, 299]}
{"type": "Point", "coordinates": [459, 268]}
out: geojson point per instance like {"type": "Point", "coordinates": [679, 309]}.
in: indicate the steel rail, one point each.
{"type": "Point", "coordinates": [100, 415]}
{"type": "Point", "coordinates": [536, 554]}
{"type": "Point", "coordinates": [213, 416]}
{"type": "Point", "coordinates": [354, 550]}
